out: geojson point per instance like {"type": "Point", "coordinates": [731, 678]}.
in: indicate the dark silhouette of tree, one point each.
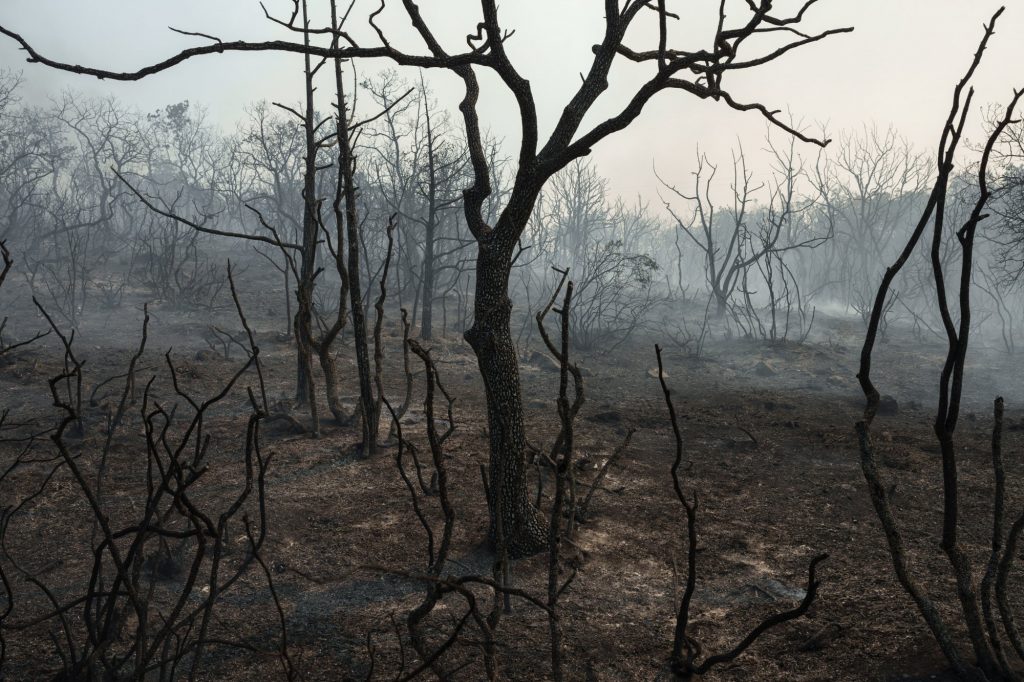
{"type": "Point", "coordinates": [699, 72]}
{"type": "Point", "coordinates": [984, 612]}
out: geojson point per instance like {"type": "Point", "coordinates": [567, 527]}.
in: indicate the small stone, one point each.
{"type": "Point", "coordinates": [761, 369]}
{"type": "Point", "coordinates": [888, 407]}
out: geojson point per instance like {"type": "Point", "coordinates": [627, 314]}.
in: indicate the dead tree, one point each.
{"type": "Point", "coordinates": [869, 189]}
{"type": "Point", "coordinates": [725, 242]}
{"type": "Point", "coordinates": [418, 168]}
{"type": "Point", "coordinates": [562, 460]}
{"type": "Point", "coordinates": [369, 405]}
{"type": "Point", "coordinates": [306, 281]}
{"type": "Point", "coordinates": [184, 163]}
{"type": "Point", "coordinates": [576, 207]}
{"type": "Point", "coordinates": [992, 640]}
{"type": "Point", "coordinates": [686, 658]}
{"type": "Point", "coordinates": [996, 287]}
{"type": "Point", "coordinates": [444, 166]}
{"type": "Point", "coordinates": [127, 624]}
{"type": "Point", "coordinates": [784, 228]}
{"type": "Point", "coordinates": [743, 245]}
{"type": "Point", "coordinates": [605, 244]}
{"type": "Point", "coordinates": [345, 249]}
{"type": "Point", "coordinates": [5, 347]}
{"type": "Point", "coordinates": [271, 156]}
{"type": "Point", "coordinates": [699, 73]}
{"type": "Point", "coordinates": [1008, 204]}
{"type": "Point", "coordinates": [22, 161]}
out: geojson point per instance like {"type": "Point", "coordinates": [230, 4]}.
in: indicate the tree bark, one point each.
{"type": "Point", "coordinates": [304, 389]}
{"type": "Point", "coordinates": [430, 229]}
{"type": "Point", "coordinates": [427, 319]}
{"type": "Point", "coordinates": [523, 530]}
{"type": "Point", "coordinates": [346, 164]}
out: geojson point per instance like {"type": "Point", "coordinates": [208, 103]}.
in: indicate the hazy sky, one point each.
{"type": "Point", "coordinates": [898, 67]}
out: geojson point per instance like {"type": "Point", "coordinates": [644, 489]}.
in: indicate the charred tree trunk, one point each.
{"type": "Point", "coordinates": [346, 164]}
{"type": "Point", "coordinates": [324, 347]}
{"type": "Point", "coordinates": [366, 398]}
{"type": "Point", "coordinates": [307, 273]}
{"type": "Point", "coordinates": [524, 531]}
{"type": "Point", "coordinates": [427, 319]}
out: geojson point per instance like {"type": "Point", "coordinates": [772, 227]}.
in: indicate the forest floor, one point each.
{"type": "Point", "coordinates": [771, 451]}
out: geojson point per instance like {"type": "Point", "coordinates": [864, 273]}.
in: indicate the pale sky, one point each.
{"type": "Point", "coordinates": [898, 68]}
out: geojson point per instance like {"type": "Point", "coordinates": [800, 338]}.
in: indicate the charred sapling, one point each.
{"type": "Point", "coordinates": [144, 605]}
{"type": "Point", "coordinates": [983, 612]}
{"type": "Point", "coordinates": [687, 657]}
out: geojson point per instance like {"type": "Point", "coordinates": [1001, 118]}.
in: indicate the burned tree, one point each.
{"type": "Point", "coordinates": [869, 190]}
{"type": "Point", "coordinates": [725, 243]}
{"type": "Point", "coordinates": [417, 168]}
{"type": "Point", "coordinates": [607, 246]}
{"type": "Point", "coordinates": [984, 612]}
{"type": "Point", "coordinates": [143, 597]}
{"type": "Point", "coordinates": [444, 165]}
{"type": "Point", "coordinates": [271, 159]}
{"type": "Point", "coordinates": [744, 244]}
{"type": "Point", "coordinates": [686, 658]}
{"type": "Point", "coordinates": [697, 72]}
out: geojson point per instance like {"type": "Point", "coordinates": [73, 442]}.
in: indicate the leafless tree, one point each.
{"type": "Point", "coordinates": [784, 228]}
{"type": "Point", "coordinates": [697, 72]}
{"type": "Point", "coordinates": [869, 188]}
{"type": "Point", "coordinates": [608, 247]}
{"type": "Point", "coordinates": [725, 241]}
{"type": "Point", "coordinates": [271, 157]}
{"type": "Point", "coordinates": [130, 623]}
{"type": "Point", "coordinates": [688, 657]}
{"type": "Point", "coordinates": [748, 247]}
{"type": "Point", "coordinates": [31, 152]}
{"type": "Point", "coordinates": [984, 611]}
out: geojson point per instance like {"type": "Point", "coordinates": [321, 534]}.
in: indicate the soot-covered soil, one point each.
{"type": "Point", "coordinates": [771, 453]}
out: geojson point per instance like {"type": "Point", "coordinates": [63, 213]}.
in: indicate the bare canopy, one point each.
{"type": "Point", "coordinates": [738, 42]}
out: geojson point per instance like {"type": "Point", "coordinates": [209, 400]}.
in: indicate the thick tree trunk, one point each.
{"type": "Point", "coordinates": [523, 530]}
